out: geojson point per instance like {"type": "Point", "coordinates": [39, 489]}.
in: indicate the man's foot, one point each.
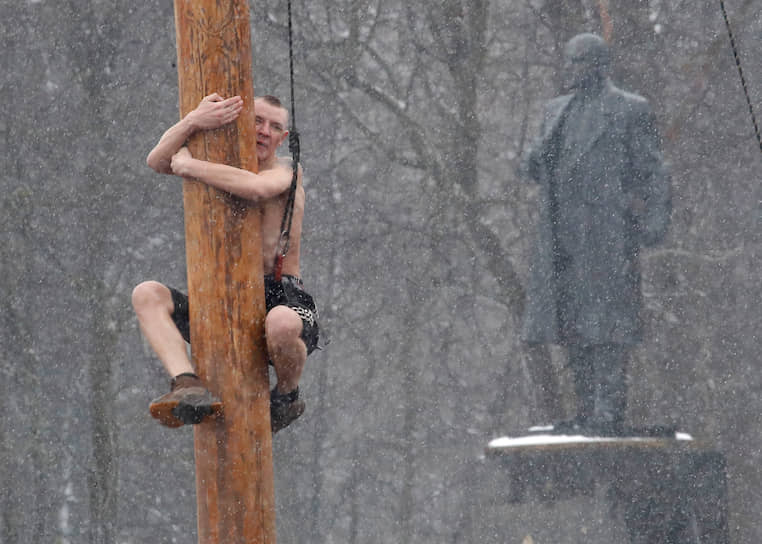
{"type": "Point", "coordinates": [187, 403]}
{"type": "Point", "coordinates": [284, 409]}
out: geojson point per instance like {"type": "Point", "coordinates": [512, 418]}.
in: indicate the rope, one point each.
{"type": "Point", "coordinates": [291, 68]}
{"type": "Point", "coordinates": [740, 73]}
{"type": "Point", "coordinates": [294, 148]}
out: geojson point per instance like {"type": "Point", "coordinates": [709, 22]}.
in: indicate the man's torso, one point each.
{"type": "Point", "coordinates": [272, 217]}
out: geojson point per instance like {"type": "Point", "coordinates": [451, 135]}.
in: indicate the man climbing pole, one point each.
{"type": "Point", "coordinates": [291, 328]}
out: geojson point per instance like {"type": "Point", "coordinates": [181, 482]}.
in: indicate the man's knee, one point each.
{"type": "Point", "coordinates": [151, 295]}
{"type": "Point", "coordinates": [283, 324]}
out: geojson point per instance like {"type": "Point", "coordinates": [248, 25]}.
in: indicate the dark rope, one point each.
{"type": "Point", "coordinates": [740, 73]}
{"type": "Point", "coordinates": [294, 148]}
{"type": "Point", "coordinates": [291, 68]}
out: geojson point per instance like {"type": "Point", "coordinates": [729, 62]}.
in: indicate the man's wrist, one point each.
{"type": "Point", "coordinates": [190, 126]}
{"type": "Point", "coordinates": [186, 167]}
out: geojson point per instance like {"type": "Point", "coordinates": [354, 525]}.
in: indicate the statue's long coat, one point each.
{"type": "Point", "coordinates": [618, 160]}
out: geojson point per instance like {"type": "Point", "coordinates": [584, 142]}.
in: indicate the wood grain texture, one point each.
{"type": "Point", "coordinates": [234, 479]}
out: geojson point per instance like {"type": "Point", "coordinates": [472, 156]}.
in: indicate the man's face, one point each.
{"type": "Point", "coordinates": [585, 62]}
{"type": "Point", "coordinates": [271, 128]}
{"type": "Point", "coordinates": [578, 73]}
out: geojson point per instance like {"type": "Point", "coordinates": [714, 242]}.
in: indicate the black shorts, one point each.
{"type": "Point", "coordinates": [288, 292]}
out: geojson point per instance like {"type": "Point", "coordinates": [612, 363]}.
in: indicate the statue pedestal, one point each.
{"type": "Point", "coordinates": [668, 489]}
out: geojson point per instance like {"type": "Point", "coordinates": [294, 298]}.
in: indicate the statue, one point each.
{"type": "Point", "coordinates": [604, 193]}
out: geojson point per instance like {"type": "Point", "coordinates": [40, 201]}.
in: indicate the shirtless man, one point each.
{"type": "Point", "coordinates": [291, 328]}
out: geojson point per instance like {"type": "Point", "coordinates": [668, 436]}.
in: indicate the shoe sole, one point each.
{"type": "Point", "coordinates": [280, 425]}
{"type": "Point", "coordinates": [178, 413]}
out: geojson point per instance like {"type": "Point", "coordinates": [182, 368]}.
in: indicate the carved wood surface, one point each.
{"type": "Point", "coordinates": [234, 479]}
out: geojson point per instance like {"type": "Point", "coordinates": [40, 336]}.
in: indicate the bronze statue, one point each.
{"type": "Point", "coordinates": [604, 193]}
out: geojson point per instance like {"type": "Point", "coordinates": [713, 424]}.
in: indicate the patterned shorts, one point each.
{"type": "Point", "coordinates": [289, 292]}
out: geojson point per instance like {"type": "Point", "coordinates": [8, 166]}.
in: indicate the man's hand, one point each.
{"type": "Point", "coordinates": [180, 162]}
{"type": "Point", "coordinates": [215, 111]}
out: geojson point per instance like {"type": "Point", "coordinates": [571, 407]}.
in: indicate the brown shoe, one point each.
{"type": "Point", "coordinates": [187, 403]}
{"type": "Point", "coordinates": [284, 409]}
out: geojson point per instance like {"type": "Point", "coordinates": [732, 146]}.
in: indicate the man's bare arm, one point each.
{"type": "Point", "coordinates": [213, 112]}
{"type": "Point", "coordinates": [248, 185]}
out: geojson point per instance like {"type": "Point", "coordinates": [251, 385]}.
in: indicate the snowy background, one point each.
{"type": "Point", "coordinates": [413, 118]}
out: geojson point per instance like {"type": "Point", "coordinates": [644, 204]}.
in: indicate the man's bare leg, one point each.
{"type": "Point", "coordinates": [189, 401]}
{"type": "Point", "coordinates": [152, 302]}
{"type": "Point", "coordinates": [283, 329]}
{"type": "Point", "coordinates": [288, 353]}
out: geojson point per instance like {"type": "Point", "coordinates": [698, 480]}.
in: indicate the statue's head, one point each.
{"type": "Point", "coordinates": [586, 62]}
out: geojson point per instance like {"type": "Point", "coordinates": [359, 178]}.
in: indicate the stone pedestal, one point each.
{"type": "Point", "coordinates": [667, 490]}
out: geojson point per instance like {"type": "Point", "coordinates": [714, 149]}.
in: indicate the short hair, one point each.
{"type": "Point", "coordinates": [591, 47]}
{"type": "Point", "coordinates": [273, 101]}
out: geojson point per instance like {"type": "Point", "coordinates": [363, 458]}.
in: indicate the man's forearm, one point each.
{"type": "Point", "coordinates": [211, 113]}
{"type": "Point", "coordinates": [237, 181]}
{"type": "Point", "coordinates": [160, 157]}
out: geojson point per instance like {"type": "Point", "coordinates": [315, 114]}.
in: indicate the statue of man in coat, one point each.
{"type": "Point", "coordinates": [604, 194]}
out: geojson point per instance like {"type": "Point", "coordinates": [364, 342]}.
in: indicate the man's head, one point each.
{"type": "Point", "coordinates": [586, 62]}
{"type": "Point", "coordinates": [271, 124]}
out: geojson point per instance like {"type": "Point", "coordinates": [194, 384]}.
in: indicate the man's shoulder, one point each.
{"type": "Point", "coordinates": [555, 106]}
{"type": "Point", "coordinates": [284, 162]}
{"type": "Point", "coordinates": [626, 99]}
{"type": "Point", "coordinates": [558, 102]}
{"type": "Point", "coordinates": [279, 164]}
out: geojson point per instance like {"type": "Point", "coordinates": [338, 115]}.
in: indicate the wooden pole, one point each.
{"type": "Point", "coordinates": [234, 478]}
